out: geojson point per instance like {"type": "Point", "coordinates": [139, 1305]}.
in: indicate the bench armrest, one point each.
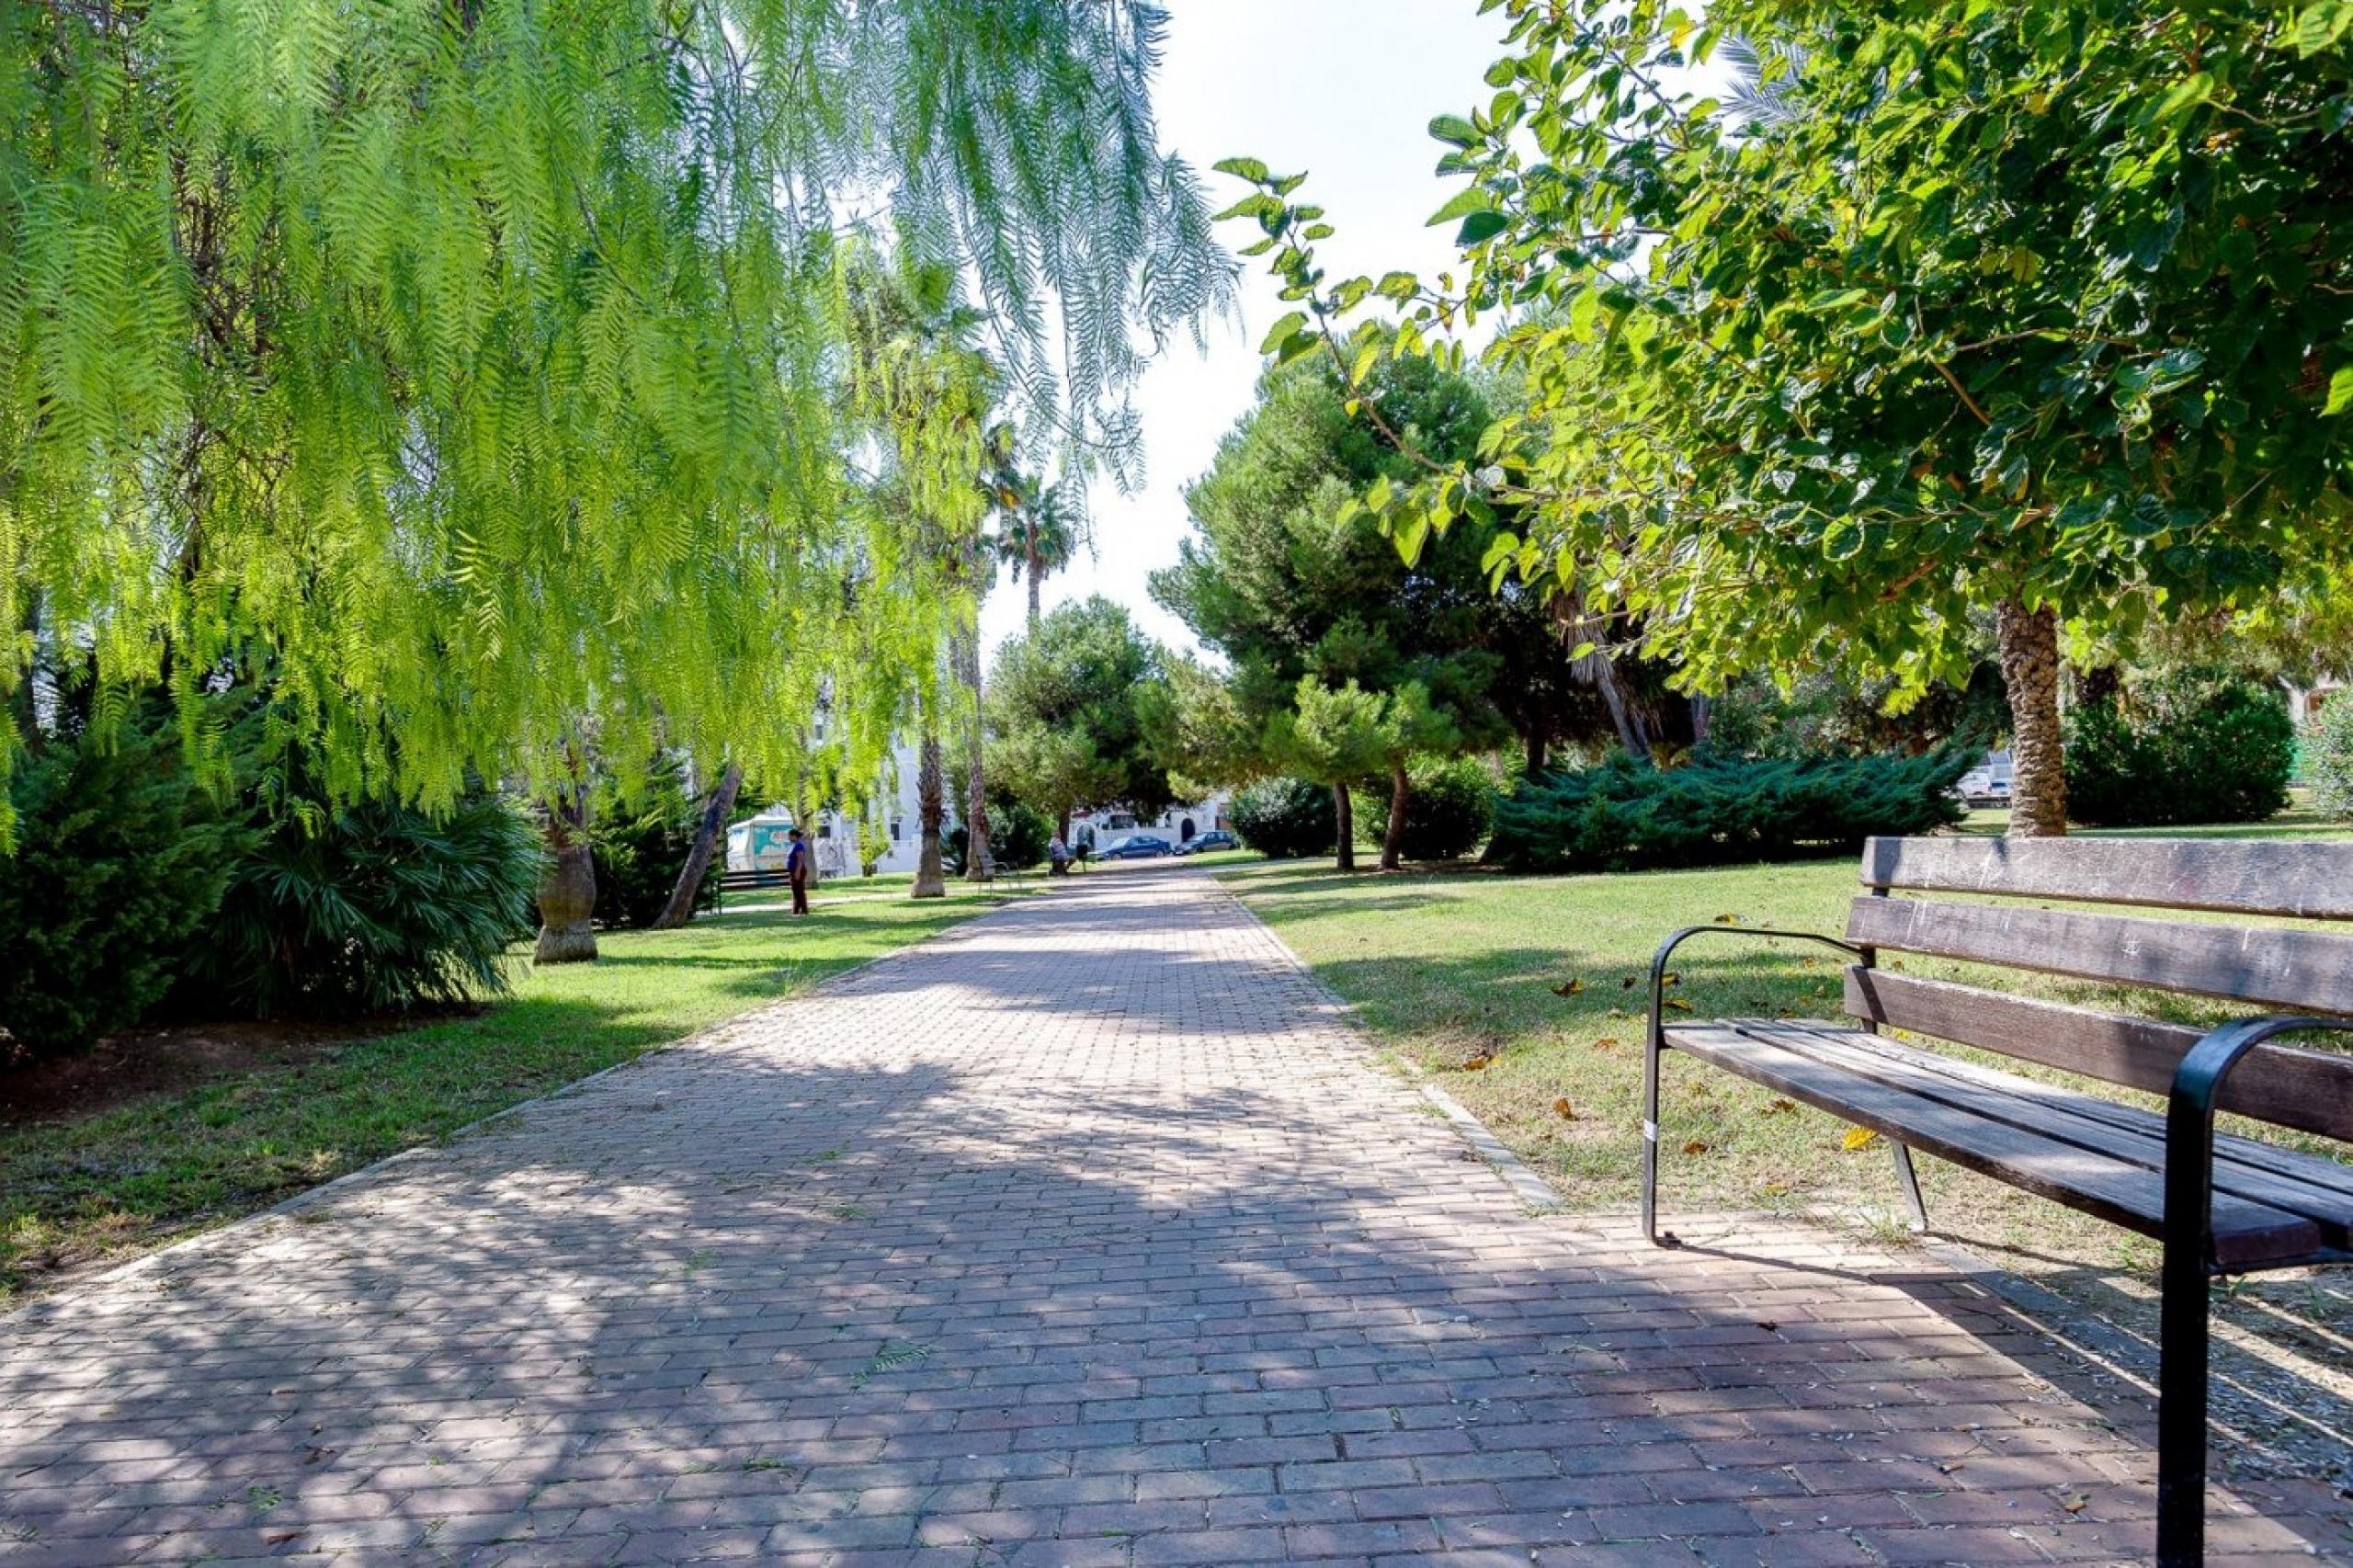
{"type": "Point", "coordinates": [1666, 951]}
{"type": "Point", "coordinates": [2189, 1123]}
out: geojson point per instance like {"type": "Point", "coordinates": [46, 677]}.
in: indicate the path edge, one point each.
{"type": "Point", "coordinates": [295, 1203]}
{"type": "Point", "coordinates": [1535, 1194]}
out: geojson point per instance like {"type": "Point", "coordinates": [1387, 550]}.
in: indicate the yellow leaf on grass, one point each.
{"type": "Point", "coordinates": [1605, 1043]}
{"type": "Point", "coordinates": [1727, 920]}
{"type": "Point", "coordinates": [1564, 1109]}
{"type": "Point", "coordinates": [1780, 1107]}
{"type": "Point", "coordinates": [1697, 1146]}
{"type": "Point", "coordinates": [1860, 1138]}
{"type": "Point", "coordinates": [1569, 989]}
{"type": "Point", "coordinates": [1677, 1003]}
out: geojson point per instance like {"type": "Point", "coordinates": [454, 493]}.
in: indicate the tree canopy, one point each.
{"type": "Point", "coordinates": [1954, 308]}
{"type": "Point", "coordinates": [1065, 715]}
{"type": "Point", "coordinates": [462, 370]}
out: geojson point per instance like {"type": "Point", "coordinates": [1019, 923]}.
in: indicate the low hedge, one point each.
{"type": "Point", "coordinates": [1625, 814]}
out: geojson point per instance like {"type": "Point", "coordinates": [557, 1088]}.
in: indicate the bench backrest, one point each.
{"type": "Point", "coordinates": [2279, 969]}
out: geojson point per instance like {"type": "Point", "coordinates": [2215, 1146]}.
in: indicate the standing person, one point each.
{"type": "Point", "coordinates": [796, 872]}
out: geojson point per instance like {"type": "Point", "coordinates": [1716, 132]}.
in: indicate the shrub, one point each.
{"type": "Point", "coordinates": [1018, 835]}
{"type": "Point", "coordinates": [1450, 808]}
{"type": "Point", "coordinates": [2328, 757]}
{"type": "Point", "coordinates": [120, 860]}
{"type": "Point", "coordinates": [1627, 815]}
{"type": "Point", "coordinates": [2185, 746]}
{"type": "Point", "coordinates": [640, 850]}
{"type": "Point", "coordinates": [374, 908]}
{"type": "Point", "coordinates": [1287, 819]}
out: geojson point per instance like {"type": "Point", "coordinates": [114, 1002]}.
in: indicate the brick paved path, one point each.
{"type": "Point", "coordinates": [1084, 1235]}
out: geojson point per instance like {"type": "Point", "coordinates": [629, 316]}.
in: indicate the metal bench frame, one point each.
{"type": "Point", "coordinates": [2190, 1262]}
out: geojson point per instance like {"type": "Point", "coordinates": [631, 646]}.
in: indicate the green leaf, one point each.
{"type": "Point", "coordinates": [2340, 390]}
{"type": "Point", "coordinates": [2319, 26]}
{"type": "Point", "coordinates": [1475, 199]}
{"type": "Point", "coordinates": [1481, 227]}
{"type": "Point", "coordinates": [2186, 94]}
{"type": "Point", "coordinates": [1283, 330]}
{"type": "Point", "coordinates": [1298, 347]}
{"type": "Point", "coordinates": [1455, 130]}
{"type": "Point", "coordinates": [1251, 169]}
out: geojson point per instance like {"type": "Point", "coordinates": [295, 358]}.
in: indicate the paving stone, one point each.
{"type": "Point", "coordinates": [1086, 1235]}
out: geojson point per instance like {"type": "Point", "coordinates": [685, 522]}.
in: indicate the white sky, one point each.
{"type": "Point", "coordinates": [1344, 89]}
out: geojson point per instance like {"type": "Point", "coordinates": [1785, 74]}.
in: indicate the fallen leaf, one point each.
{"type": "Point", "coordinates": [1727, 920]}
{"type": "Point", "coordinates": [2076, 1503]}
{"type": "Point", "coordinates": [1677, 1003]}
{"type": "Point", "coordinates": [1809, 963]}
{"type": "Point", "coordinates": [1860, 1138]}
{"type": "Point", "coordinates": [1780, 1107]}
{"type": "Point", "coordinates": [1564, 1109]}
{"type": "Point", "coordinates": [1569, 989]}
{"type": "Point", "coordinates": [1768, 1325]}
{"type": "Point", "coordinates": [1629, 982]}
{"type": "Point", "coordinates": [1697, 1146]}
{"type": "Point", "coordinates": [1473, 1063]}
{"type": "Point", "coordinates": [1605, 1043]}
{"type": "Point", "coordinates": [1671, 978]}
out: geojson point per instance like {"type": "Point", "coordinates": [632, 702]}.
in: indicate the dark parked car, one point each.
{"type": "Point", "coordinates": [1202, 842]}
{"type": "Point", "coordinates": [1137, 846]}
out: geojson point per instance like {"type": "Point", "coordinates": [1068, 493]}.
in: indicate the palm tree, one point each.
{"type": "Point", "coordinates": [1039, 526]}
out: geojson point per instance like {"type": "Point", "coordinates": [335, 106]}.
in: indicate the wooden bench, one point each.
{"type": "Point", "coordinates": [2222, 1205]}
{"type": "Point", "coordinates": [751, 881]}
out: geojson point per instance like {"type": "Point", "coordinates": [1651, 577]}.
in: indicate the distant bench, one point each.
{"type": "Point", "coordinates": [2222, 1205]}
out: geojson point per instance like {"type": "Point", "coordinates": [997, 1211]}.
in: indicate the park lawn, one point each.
{"type": "Point", "coordinates": [1455, 970]}
{"type": "Point", "coordinates": [132, 1178]}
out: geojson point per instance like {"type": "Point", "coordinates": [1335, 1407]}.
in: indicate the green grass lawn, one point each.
{"type": "Point", "coordinates": [129, 1179]}
{"type": "Point", "coordinates": [1457, 970]}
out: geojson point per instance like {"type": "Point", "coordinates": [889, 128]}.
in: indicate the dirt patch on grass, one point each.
{"type": "Point", "coordinates": [141, 1063]}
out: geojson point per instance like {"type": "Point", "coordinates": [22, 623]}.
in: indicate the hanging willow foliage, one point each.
{"type": "Point", "coordinates": [464, 372]}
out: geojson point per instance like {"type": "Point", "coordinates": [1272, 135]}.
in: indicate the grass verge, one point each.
{"type": "Point", "coordinates": [1525, 995]}
{"type": "Point", "coordinates": [103, 1186]}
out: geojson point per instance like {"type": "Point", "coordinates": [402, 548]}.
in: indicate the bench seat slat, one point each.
{"type": "Point", "coordinates": [2286, 1086]}
{"type": "Point", "coordinates": [2320, 1189]}
{"type": "Point", "coordinates": [2305, 971]}
{"type": "Point", "coordinates": [2117, 1190]}
{"type": "Point", "coordinates": [2313, 880]}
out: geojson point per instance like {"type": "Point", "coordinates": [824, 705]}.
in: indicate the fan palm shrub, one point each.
{"type": "Point", "coordinates": [380, 907]}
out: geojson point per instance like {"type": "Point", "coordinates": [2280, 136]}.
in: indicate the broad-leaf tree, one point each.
{"type": "Point", "coordinates": [1068, 714]}
{"type": "Point", "coordinates": [480, 367]}
{"type": "Point", "coordinates": [2034, 310]}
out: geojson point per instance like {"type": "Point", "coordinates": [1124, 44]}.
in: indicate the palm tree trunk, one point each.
{"type": "Point", "coordinates": [931, 880]}
{"type": "Point", "coordinates": [1037, 571]}
{"type": "Point", "coordinates": [978, 864]}
{"type": "Point", "coordinates": [715, 812]}
{"type": "Point", "coordinates": [568, 892]}
{"type": "Point", "coordinates": [1401, 791]}
{"type": "Point", "coordinates": [2029, 644]}
{"type": "Point", "coordinates": [1345, 811]}
{"type": "Point", "coordinates": [1601, 671]}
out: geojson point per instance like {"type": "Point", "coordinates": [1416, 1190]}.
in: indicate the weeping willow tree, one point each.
{"type": "Point", "coordinates": [469, 373]}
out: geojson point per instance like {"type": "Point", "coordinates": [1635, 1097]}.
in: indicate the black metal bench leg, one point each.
{"type": "Point", "coordinates": [1649, 1147]}
{"type": "Point", "coordinates": [1909, 1180]}
{"type": "Point", "coordinates": [2181, 1410]}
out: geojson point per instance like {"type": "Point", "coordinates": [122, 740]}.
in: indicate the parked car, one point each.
{"type": "Point", "coordinates": [1137, 846]}
{"type": "Point", "coordinates": [1202, 842]}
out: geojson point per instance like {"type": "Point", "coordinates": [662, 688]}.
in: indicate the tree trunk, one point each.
{"type": "Point", "coordinates": [977, 863]}
{"type": "Point", "coordinates": [931, 881]}
{"type": "Point", "coordinates": [715, 812]}
{"type": "Point", "coordinates": [568, 892]}
{"type": "Point", "coordinates": [1600, 670]}
{"type": "Point", "coordinates": [1345, 811]}
{"type": "Point", "coordinates": [1401, 789]}
{"type": "Point", "coordinates": [1034, 586]}
{"type": "Point", "coordinates": [1539, 750]}
{"type": "Point", "coordinates": [1702, 711]}
{"type": "Point", "coordinates": [2029, 641]}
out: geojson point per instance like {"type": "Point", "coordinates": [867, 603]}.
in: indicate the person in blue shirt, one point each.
{"type": "Point", "coordinates": [796, 872]}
